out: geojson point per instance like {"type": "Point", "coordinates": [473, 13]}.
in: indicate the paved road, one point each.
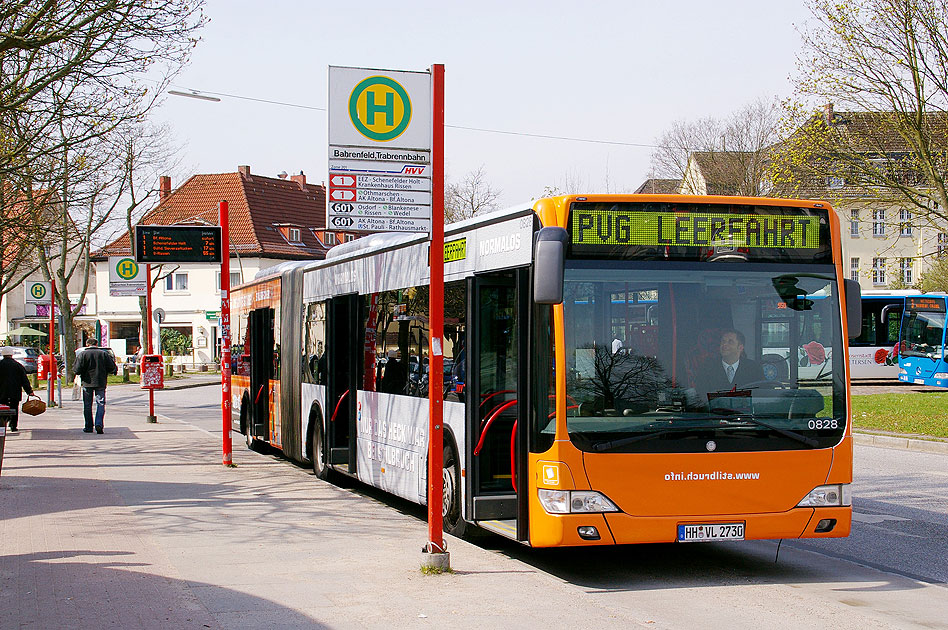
{"type": "Point", "coordinates": [896, 553]}
{"type": "Point", "coordinates": [900, 497]}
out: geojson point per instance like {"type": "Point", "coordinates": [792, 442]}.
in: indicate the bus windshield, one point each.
{"type": "Point", "coordinates": [688, 357]}
{"type": "Point", "coordinates": [923, 335]}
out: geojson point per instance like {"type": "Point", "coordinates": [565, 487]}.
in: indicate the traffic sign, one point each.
{"type": "Point", "coordinates": [126, 277]}
{"type": "Point", "coordinates": [37, 290]}
{"type": "Point", "coordinates": [159, 315]}
{"type": "Point", "coordinates": [342, 180]}
{"type": "Point", "coordinates": [380, 109]}
{"type": "Point", "coordinates": [379, 149]}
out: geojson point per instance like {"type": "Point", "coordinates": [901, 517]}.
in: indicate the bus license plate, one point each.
{"type": "Point", "coordinates": [708, 532]}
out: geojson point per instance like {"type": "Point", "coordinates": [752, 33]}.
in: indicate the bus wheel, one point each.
{"type": "Point", "coordinates": [453, 523]}
{"type": "Point", "coordinates": [320, 469]}
{"type": "Point", "coordinates": [245, 426]}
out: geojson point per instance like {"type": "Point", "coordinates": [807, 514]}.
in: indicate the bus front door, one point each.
{"type": "Point", "coordinates": [342, 384]}
{"type": "Point", "coordinates": [260, 332]}
{"type": "Point", "coordinates": [494, 411]}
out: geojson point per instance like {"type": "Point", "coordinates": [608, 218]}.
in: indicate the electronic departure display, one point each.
{"type": "Point", "coordinates": [648, 231]}
{"type": "Point", "coordinates": [177, 244]}
{"type": "Point", "coordinates": [936, 305]}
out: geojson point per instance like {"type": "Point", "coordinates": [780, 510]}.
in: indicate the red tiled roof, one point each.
{"type": "Point", "coordinates": [257, 206]}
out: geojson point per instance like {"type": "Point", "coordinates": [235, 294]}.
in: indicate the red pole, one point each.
{"type": "Point", "coordinates": [224, 218]}
{"type": "Point", "coordinates": [436, 314]}
{"type": "Point", "coordinates": [148, 350]}
{"type": "Point", "coordinates": [50, 376]}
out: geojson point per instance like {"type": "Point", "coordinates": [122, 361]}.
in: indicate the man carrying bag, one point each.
{"type": "Point", "coordinates": [93, 366]}
{"type": "Point", "coordinates": [13, 382]}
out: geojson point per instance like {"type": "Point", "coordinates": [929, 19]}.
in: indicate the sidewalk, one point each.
{"type": "Point", "coordinates": [143, 528]}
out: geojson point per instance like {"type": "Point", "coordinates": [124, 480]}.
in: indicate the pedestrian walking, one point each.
{"type": "Point", "coordinates": [13, 382]}
{"type": "Point", "coordinates": [93, 366]}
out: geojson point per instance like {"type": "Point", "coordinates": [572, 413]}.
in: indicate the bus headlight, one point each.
{"type": "Point", "coordinates": [575, 501]}
{"type": "Point", "coordinates": [826, 496]}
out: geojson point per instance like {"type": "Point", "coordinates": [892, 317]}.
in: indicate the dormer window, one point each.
{"type": "Point", "coordinates": [293, 234]}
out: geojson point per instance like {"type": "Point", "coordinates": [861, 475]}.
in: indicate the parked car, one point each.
{"type": "Point", "coordinates": [27, 357]}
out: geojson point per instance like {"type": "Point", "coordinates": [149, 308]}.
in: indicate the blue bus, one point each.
{"type": "Point", "coordinates": [922, 340]}
{"type": "Point", "coordinates": [872, 355]}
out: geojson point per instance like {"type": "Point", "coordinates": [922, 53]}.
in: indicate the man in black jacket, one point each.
{"type": "Point", "coordinates": [13, 382]}
{"type": "Point", "coordinates": [93, 365]}
{"type": "Point", "coordinates": [733, 370]}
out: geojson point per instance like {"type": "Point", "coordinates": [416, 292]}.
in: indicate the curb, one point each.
{"type": "Point", "coordinates": [909, 444]}
{"type": "Point", "coordinates": [192, 385]}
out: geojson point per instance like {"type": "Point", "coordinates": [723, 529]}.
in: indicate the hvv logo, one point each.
{"type": "Point", "coordinates": [414, 170]}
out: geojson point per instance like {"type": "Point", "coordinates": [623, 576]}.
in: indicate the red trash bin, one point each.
{"type": "Point", "coordinates": [153, 373]}
{"type": "Point", "coordinates": [46, 367]}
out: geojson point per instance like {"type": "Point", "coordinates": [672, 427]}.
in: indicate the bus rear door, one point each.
{"type": "Point", "coordinates": [342, 384]}
{"type": "Point", "coordinates": [260, 332]}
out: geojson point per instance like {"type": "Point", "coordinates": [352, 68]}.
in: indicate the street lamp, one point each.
{"type": "Point", "coordinates": [195, 94]}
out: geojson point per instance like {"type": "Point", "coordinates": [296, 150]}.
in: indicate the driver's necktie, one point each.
{"type": "Point", "coordinates": [730, 374]}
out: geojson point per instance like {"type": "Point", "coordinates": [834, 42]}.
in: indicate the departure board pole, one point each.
{"type": "Point", "coordinates": [225, 335]}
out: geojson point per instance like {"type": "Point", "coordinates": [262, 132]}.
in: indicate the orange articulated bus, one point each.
{"type": "Point", "coordinates": [618, 369]}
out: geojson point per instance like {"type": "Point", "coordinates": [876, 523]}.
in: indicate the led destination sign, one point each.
{"type": "Point", "coordinates": [620, 227]}
{"type": "Point", "coordinates": [936, 305]}
{"type": "Point", "coordinates": [177, 244]}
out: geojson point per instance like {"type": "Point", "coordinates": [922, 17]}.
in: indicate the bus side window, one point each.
{"type": "Point", "coordinates": [314, 364]}
{"type": "Point", "coordinates": [455, 330]}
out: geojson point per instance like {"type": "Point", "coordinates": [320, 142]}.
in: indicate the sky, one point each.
{"type": "Point", "coordinates": [607, 71]}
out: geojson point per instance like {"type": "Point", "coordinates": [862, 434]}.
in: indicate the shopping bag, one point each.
{"type": "Point", "coordinates": [34, 406]}
{"type": "Point", "coordinates": [77, 388]}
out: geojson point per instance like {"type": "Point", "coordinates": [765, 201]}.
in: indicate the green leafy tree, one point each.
{"type": "Point", "coordinates": [174, 343]}
{"type": "Point", "coordinates": [881, 69]}
{"type": "Point", "coordinates": [936, 278]}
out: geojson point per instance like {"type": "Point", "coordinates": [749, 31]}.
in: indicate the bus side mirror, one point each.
{"type": "Point", "coordinates": [853, 308]}
{"type": "Point", "coordinates": [548, 259]}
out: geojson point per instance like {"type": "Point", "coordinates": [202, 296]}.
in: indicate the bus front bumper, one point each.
{"type": "Point", "coordinates": [621, 529]}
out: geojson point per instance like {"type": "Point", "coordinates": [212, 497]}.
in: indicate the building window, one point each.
{"type": "Point", "coordinates": [905, 266]}
{"type": "Point", "coordinates": [350, 237]}
{"type": "Point", "coordinates": [878, 271]}
{"type": "Point", "coordinates": [854, 269]}
{"type": "Point", "coordinates": [942, 244]}
{"type": "Point", "coordinates": [176, 282]}
{"type": "Point", "coordinates": [330, 238]}
{"type": "Point", "coordinates": [295, 235]}
{"type": "Point", "coordinates": [854, 224]}
{"type": "Point", "coordinates": [835, 182]}
{"type": "Point", "coordinates": [905, 222]}
{"type": "Point", "coordinates": [878, 222]}
{"type": "Point", "coordinates": [234, 280]}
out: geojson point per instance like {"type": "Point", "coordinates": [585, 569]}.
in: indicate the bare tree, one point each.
{"type": "Point", "coordinates": [82, 60]}
{"type": "Point", "coordinates": [731, 154]}
{"type": "Point", "coordinates": [882, 68]}
{"type": "Point", "coordinates": [469, 196]}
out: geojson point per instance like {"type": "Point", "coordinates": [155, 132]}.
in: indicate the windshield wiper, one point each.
{"type": "Point", "coordinates": [609, 445]}
{"type": "Point", "coordinates": [750, 418]}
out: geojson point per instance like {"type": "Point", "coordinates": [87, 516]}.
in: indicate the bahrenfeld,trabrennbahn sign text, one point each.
{"type": "Point", "coordinates": [379, 150]}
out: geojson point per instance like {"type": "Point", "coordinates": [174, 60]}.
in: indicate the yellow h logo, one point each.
{"type": "Point", "coordinates": [126, 268]}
